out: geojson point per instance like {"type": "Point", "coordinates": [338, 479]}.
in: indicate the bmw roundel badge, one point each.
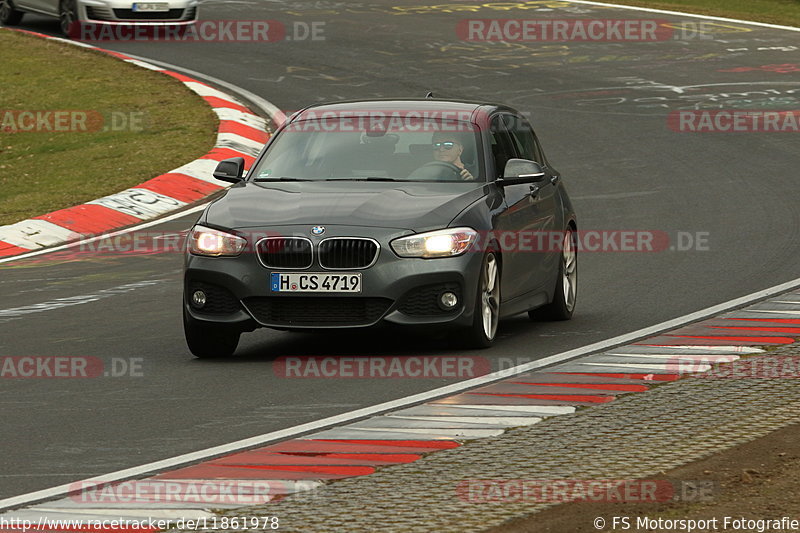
{"type": "Point", "coordinates": [318, 230]}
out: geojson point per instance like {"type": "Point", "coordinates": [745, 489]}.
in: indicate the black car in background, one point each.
{"type": "Point", "coordinates": [413, 212]}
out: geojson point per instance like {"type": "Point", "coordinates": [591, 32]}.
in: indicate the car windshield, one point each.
{"type": "Point", "coordinates": [410, 148]}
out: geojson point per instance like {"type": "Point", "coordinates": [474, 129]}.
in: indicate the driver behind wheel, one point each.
{"type": "Point", "coordinates": [448, 148]}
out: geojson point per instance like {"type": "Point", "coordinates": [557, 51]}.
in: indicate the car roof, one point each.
{"type": "Point", "coordinates": [389, 105]}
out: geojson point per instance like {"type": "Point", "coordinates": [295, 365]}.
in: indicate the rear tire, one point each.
{"type": "Point", "coordinates": [486, 315]}
{"type": "Point", "coordinates": [9, 16]}
{"type": "Point", "coordinates": [207, 340]}
{"type": "Point", "coordinates": [566, 291]}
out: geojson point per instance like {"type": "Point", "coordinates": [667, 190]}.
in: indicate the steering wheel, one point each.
{"type": "Point", "coordinates": [439, 165]}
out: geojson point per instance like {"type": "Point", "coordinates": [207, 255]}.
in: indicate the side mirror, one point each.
{"type": "Point", "coordinates": [230, 170]}
{"type": "Point", "coordinates": [521, 171]}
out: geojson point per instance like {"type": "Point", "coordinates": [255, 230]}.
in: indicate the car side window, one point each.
{"type": "Point", "coordinates": [502, 145]}
{"type": "Point", "coordinates": [524, 139]}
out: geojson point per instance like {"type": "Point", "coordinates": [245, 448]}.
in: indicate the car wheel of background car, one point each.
{"type": "Point", "coordinates": [67, 15]}
{"type": "Point", "coordinates": [8, 15]}
{"type": "Point", "coordinates": [206, 339]}
{"type": "Point", "coordinates": [487, 304]}
{"type": "Point", "coordinates": [566, 291]}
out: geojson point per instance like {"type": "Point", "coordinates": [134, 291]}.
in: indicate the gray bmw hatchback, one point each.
{"type": "Point", "coordinates": [411, 212]}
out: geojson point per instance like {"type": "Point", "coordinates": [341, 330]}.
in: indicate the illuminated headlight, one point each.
{"type": "Point", "coordinates": [440, 243]}
{"type": "Point", "coordinates": [215, 243]}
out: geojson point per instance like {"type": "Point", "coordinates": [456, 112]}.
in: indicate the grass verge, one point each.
{"type": "Point", "coordinates": [783, 12]}
{"type": "Point", "coordinates": [137, 124]}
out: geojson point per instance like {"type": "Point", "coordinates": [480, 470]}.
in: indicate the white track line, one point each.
{"type": "Point", "coordinates": [682, 14]}
{"type": "Point", "coordinates": [447, 390]}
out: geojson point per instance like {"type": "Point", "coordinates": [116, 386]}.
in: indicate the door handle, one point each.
{"type": "Point", "coordinates": [534, 190]}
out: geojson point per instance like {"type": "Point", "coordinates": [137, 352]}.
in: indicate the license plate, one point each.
{"type": "Point", "coordinates": [151, 7]}
{"type": "Point", "coordinates": [314, 282]}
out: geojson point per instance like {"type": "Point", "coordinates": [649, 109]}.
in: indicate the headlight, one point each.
{"type": "Point", "coordinates": [215, 243]}
{"type": "Point", "coordinates": [440, 243]}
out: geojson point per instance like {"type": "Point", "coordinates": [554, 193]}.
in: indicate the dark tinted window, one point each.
{"type": "Point", "coordinates": [523, 137]}
{"type": "Point", "coordinates": [502, 145]}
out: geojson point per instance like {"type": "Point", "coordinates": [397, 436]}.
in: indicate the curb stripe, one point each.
{"type": "Point", "coordinates": [243, 130]}
{"type": "Point", "coordinates": [214, 101]}
{"type": "Point", "coordinates": [240, 133]}
{"type": "Point", "coordinates": [754, 328]}
{"type": "Point", "coordinates": [693, 348]}
{"type": "Point", "coordinates": [181, 77]}
{"type": "Point", "coordinates": [607, 386]}
{"type": "Point", "coordinates": [224, 113]}
{"type": "Point", "coordinates": [35, 233]}
{"type": "Point", "coordinates": [210, 472]}
{"type": "Point", "coordinates": [331, 447]}
{"type": "Point", "coordinates": [181, 187]}
{"type": "Point", "coordinates": [400, 443]}
{"type": "Point", "coordinates": [7, 250]}
{"type": "Point", "coordinates": [775, 320]}
{"type": "Point", "coordinates": [676, 341]}
{"type": "Point", "coordinates": [561, 397]}
{"type": "Point", "coordinates": [316, 469]}
{"type": "Point", "coordinates": [645, 377]}
{"type": "Point", "coordinates": [341, 459]}
{"type": "Point", "coordinates": [89, 219]}
{"type": "Point", "coordinates": [749, 340]}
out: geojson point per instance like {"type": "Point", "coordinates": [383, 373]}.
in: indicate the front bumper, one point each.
{"type": "Point", "coordinates": [181, 13]}
{"type": "Point", "coordinates": [394, 290]}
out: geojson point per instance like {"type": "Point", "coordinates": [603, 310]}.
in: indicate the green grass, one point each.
{"type": "Point", "coordinates": [44, 171]}
{"type": "Point", "coordinates": [784, 12]}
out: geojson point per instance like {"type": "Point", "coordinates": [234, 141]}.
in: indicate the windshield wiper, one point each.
{"type": "Point", "coordinates": [281, 178]}
{"type": "Point", "coordinates": [365, 178]}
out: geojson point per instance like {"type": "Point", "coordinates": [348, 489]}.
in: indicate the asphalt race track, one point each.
{"type": "Point", "coordinates": [601, 111]}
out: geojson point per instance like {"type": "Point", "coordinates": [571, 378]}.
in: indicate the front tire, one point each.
{"type": "Point", "coordinates": [566, 291]}
{"type": "Point", "coordinates": [9, 16]}
{"type": "Point", "coordinates": [67, 16]}
{"type": "Point", "coordinates": [486, 315]}
{"type": "Point", "coordinates": [206, 339]}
